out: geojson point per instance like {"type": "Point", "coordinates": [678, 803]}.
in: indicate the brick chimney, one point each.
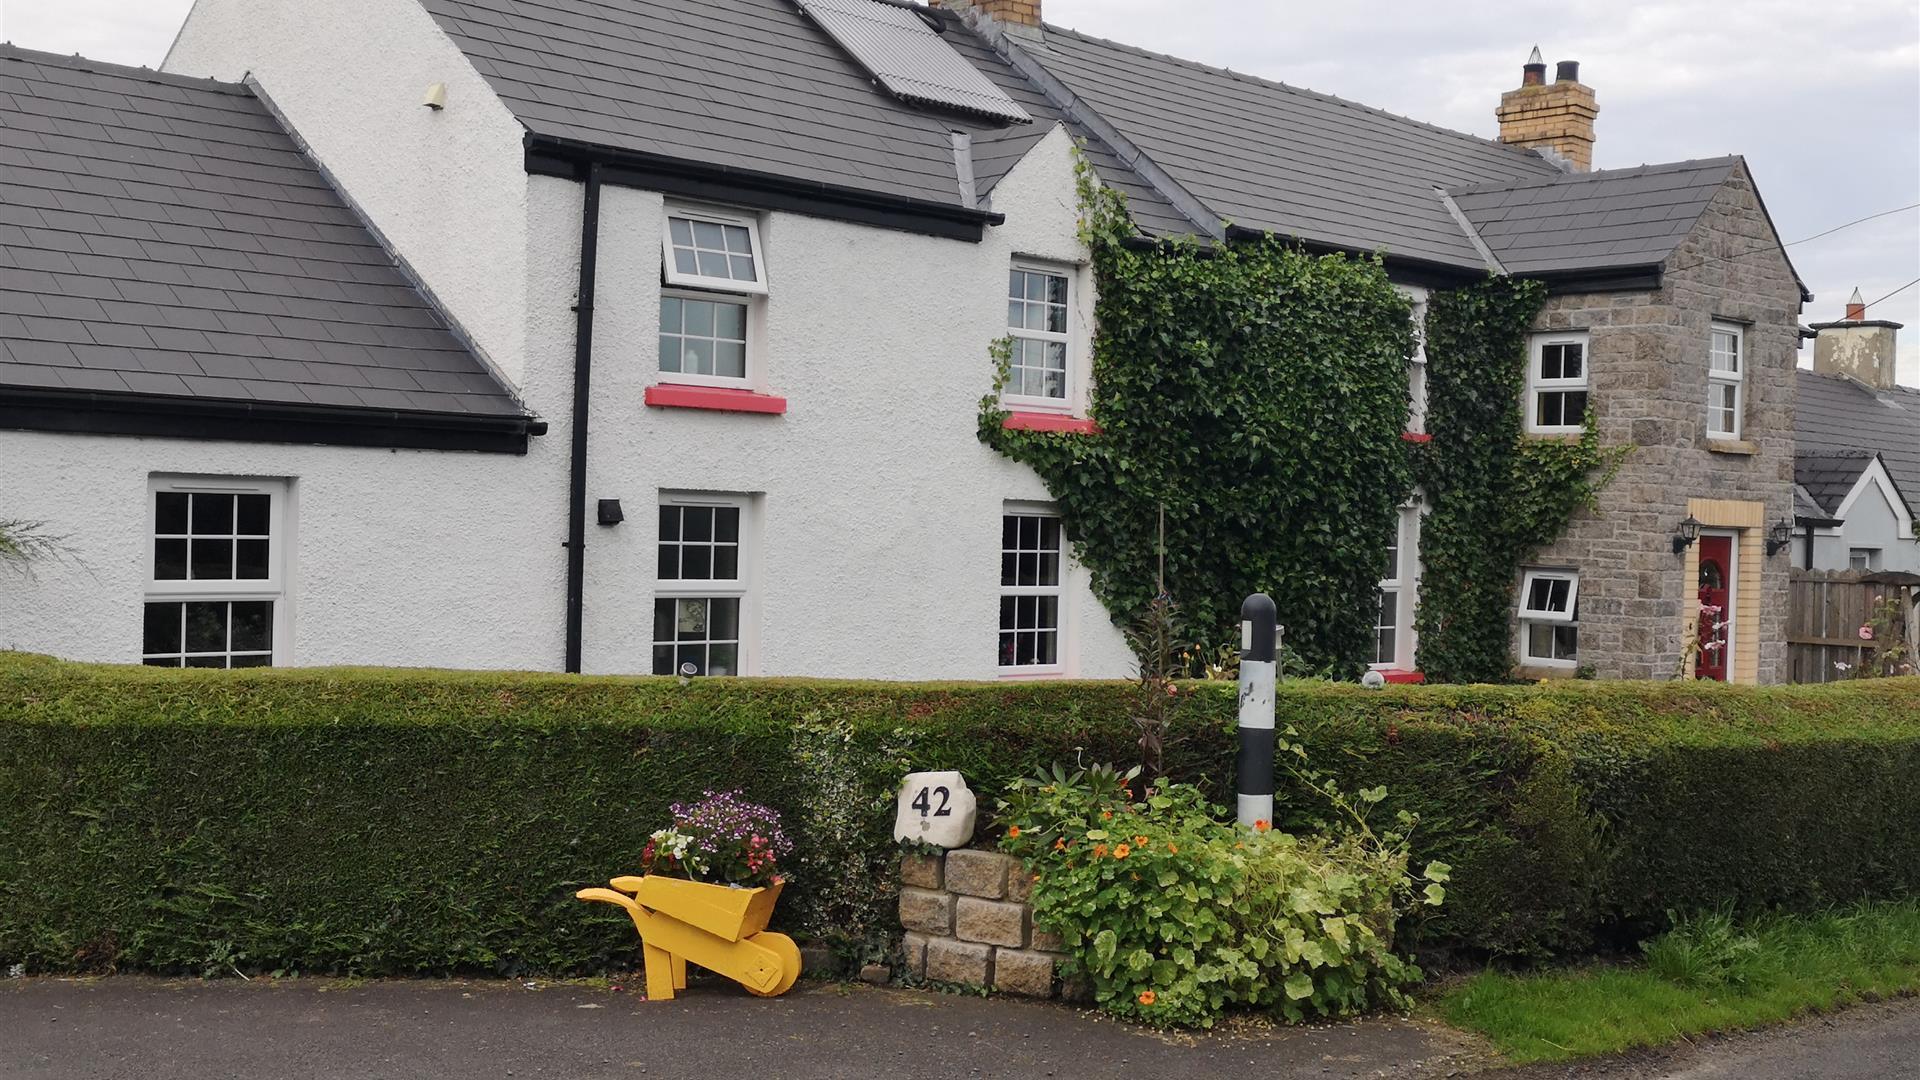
{"type": "Point", "coordinates": [1008, 13]}
{"type": "Point", "coordinates": [1856, 346]}
{"type": "Point", "coordinates": [1556, 116]}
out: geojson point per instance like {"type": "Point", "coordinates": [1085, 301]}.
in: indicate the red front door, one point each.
{"type": "Point", "coordinates": [1716, 611]}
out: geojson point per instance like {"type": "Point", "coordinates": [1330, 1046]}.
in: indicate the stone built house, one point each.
{"type": "Point", "coordinates": [1857, 469]}
{"type": "Point", "coordinates": [625, 338]}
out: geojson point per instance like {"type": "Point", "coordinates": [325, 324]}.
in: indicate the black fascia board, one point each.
{"type": "Point", "coordinates": [89, 413]}
{"type": "Point", "coordinates": [548, 155]}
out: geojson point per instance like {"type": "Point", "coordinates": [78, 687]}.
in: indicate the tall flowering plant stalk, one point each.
{"type": "Point", "coordinates": [723, 839]}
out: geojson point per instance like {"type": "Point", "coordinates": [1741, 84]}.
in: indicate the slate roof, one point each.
{"type": "Point", "coordinates": [1595, 220]}
{"type": "Point", "coordinates": [1272, 157]}
{"type": "Point", "coordinates": [1828, 478]}
{"type": "Point", "coordinates": [1835, 415]}
{"type": "Point", "coordinates": [164, 236]}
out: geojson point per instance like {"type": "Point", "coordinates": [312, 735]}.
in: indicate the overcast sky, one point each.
{"type": "Point", "coordinates": [1822, 98]}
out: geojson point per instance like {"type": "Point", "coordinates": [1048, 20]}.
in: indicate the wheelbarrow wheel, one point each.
{"type": "Point", "coordinates": [789, 954]}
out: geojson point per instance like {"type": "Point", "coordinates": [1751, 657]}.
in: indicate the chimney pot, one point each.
{"type": "Point", "coordinates": [1858, 347]}
{"type": "Point", "coordinates": [1534, 71]}
{"type": "Point", "coordinates": [1856, 307]}
{"type": "Point", "coordinates": [1567, 71]}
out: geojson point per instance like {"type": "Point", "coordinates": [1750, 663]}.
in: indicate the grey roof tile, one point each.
{"type": "Point", "coordinates": [1834, 416]}
{"type": "Point", "coordinates": [136, 209]}
{"type": "Point", "coordinates": [1578, 221]}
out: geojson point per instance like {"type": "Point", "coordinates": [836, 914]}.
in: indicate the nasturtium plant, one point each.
{"type": "Point", "coordinates": [1175, 915]}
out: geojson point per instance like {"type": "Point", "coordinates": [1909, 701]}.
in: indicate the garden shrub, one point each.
{"type": "Point", "coordinates": [396, 822]}
{"type": "Point", "coordinates": [1175, 915]}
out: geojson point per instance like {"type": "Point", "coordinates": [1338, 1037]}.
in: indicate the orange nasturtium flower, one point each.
{"type": "Point", "coordinates": [1139, 841]}
{"type": "Point", "coordinates": [1261, 825]}
{"type": "Point", "coordinates": [1121, 851]}
{"type": "Point", "coordinates": [1106, 815]}
{"type": "Point", "coordinates": [1060, 843]}
{"type": "Point", "coordinates": [1173, 848]}
{"type": "Point", "coordinates": [1147, 997]}
{"type": "Point", "coordinates": [1013, 832]}
{"type": "Point", "coordinates": [1099, 850]}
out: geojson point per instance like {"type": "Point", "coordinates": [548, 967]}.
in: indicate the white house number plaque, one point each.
{"type": "Point", "coordinates": [935, 808]}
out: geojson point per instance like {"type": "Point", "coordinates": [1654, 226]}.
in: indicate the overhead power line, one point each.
{"type": "Point", "coordinates": [1796, 243]}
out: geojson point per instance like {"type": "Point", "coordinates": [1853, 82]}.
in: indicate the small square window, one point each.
{"type": "Point", "coordinates": [1557, 373]}
{"type": "Point", "coordinates": [213, 594]}
{"type": "Point", "coordinates": [712, 251]}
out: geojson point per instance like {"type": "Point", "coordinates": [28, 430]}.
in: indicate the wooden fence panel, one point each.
{"type": "Point", "coordinates": [1825, 612]}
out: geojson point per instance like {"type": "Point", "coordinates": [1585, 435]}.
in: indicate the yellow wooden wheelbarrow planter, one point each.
{"type": "Point", "coordinates": [722, 929]}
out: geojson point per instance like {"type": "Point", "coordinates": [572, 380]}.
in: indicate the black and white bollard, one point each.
{"type": "Point", "coordinates": [1254, 768]}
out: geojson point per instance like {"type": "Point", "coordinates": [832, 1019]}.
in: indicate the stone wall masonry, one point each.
{"type": "Point", "coordinates": [974, 924]}
{"type": "Point", "coordinates": [1648, 365]}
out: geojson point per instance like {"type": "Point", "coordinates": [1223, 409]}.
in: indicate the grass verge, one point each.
{"type": "Point", "coordinates": [1707, 974]}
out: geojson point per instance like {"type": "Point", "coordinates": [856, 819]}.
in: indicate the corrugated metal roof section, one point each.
{"type": "Point", "coordinates": [909, 58]}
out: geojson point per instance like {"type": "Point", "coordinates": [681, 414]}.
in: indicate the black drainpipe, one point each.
{"type": "Point", "coordinates": [576, 544]}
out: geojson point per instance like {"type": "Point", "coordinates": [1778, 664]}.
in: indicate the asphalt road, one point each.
{"type": "Point", "coordinates": [56, 1029]}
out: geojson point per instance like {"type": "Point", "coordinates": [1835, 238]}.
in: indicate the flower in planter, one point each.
{"type": "Point", "coordinates": [723, 839]}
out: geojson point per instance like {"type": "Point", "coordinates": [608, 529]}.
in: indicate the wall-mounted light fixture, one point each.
{"type": "Point", "coordinates": [1689, 532]}
{"type": "Point", "coordinates": [436, 98]}
{"type": "Point", "coordinates": [1779, 536]}
{"type": "Point", "coordinates": [610, 512]}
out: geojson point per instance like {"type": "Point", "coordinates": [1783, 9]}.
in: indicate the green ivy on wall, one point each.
{"type": "Point", "coordinates": [1257, 396]}
{"type": "Point", "coordinates": [1254, 398]}
{"type": "Point", "coordinates": [1496, 495]}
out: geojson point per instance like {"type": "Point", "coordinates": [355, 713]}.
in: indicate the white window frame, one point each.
{"type": "Point", "coordinates": [685, 280]}
{"type": "Point", "coordinates": [1069, 399]}
{"type": "Point", "coordinates": [753, 377]}
{"type": "Point", "coordinates": [1404, 583]}
{"type": "Point", "coordinates": [272, 588]}
{"type": "Point", "coordinates": [1538, 385]}
{"type": "Point", "coordinates": [1417, 363]}
{"type": "Point", "coordinates": [1868, 558]}
{"type": "Point", "coordinates": [1735, 378]}
{"type": "Point", "coordinates": [1530, 615]}
{"type": "Point", "coordinates": [1058, 590]}
{"type": "Point", "coordinates": [739, 587]}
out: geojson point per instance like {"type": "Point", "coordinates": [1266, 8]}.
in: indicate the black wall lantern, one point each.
{"type": "Point", "coordinates": [610, 513]}
{"type": "Point", "coordinates": [1779, 536]}
{"type": "Point", "coordinates": [1689, 532]}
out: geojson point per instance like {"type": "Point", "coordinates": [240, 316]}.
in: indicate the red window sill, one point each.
{"type": "Point", "coordinates": [1039, 421]}
{"type": "Point", "coordinates": [720, 398]}
{"type": "Point", "coordinates": [1394, 675]}
{"type": "Point", "coordinates": [1416, 436]}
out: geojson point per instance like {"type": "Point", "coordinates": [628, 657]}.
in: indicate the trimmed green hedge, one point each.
{"type": "Point", "coordinates": [389, 821]}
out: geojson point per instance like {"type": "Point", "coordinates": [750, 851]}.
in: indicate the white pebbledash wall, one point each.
{"type": "Point", "coordinates": [879, 509]}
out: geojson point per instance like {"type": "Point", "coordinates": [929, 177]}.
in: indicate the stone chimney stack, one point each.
{"type": "Point", "coordinates": [1856, 346]}
{"type": "Point", "coordinates": [1556, 116]}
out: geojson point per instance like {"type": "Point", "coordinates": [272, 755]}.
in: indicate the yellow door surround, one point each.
{"type": "Point", "coordinates": [1748, 522]}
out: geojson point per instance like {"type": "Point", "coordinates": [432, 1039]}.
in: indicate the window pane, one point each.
{"type": "Point", "coordinates": [1383, 646]}
{"type": "Point", "coordinates": [250, 559]}
{"type": "Point", "coordinates": [668, 566]}
{"type": "Point", "coordinates": [738, 240]}
{"type": "Point", "coordinates": [696, 563]}
{"type": "Point", "coordinates": [682, 230]}
{"type": "Point", "coordinates": [254, 660]}
{"type": "Point", "coordinates": [1540, 640]}
{"type": "Point", "coordinates": [697, 523]}
{"type": "Point", "coordinates": [669, 353]}
{"type": "Point", "coordinates": [252, 626]}
{"type": "Point", "coordinates": [1007, 619]}
{"type": "Point", "coordinates": [1056, 289]}
{"type": "Point", "coordinates": [683, 261]}
{"type": "Point", "coordinates": [669, 523]}
{"type": "Point", "coordinates": [726, 524]}
{"type": "Point", "coordinates": [170, 512]}
{"type": "Point", "coordinates": [663, 628]}
{"type": "Point", "coordinates": [730, 321]}
{"type": "Point", "coordinates": [169, 560]}
{"type": "Point", "coordinates": [1057, 319]}
{"type": "Point", "coordinates": [206, 661]}
{"type": "Point", "coordinates": [1036, 286]}
{"type": "Point", "coordinates": [1566, 642]}
{"type": "Point", "coordinates": [207, 627]}
{"type": "Point", "coordinates": [1548, 410]}
{"type": "Point", "coordinates": [212, 560]}
{"type": "Point", "coordinates": [690, 620]}
{"type": "Point", "coordinates": [723, 660]}
{"type": "Point", "coordinates": [730, 359]}
{"type": "Point", "coordinates": [699, 317]}
{"type": "Point", "coordinates": [1572, 361]}
{"type": "Point", "coordinates": [726, 563]}
{"type": "Point", "coordinates": [663, 659]}
{"type": "Point", "coordinates": [670, 314]}
{"type": "Point", "coordinates": [690, 660]}
{"type": "Point", "coordinates": [212, 515]}
{"type": "Point", "coordinates": [1047, 648]}
{"type": "Point", "coordinates": [253, 514]}
{"type": "Point", "coordinates": [709, 234]}
{"type": "Point", "coordinates": [161, 633]}
{"type": "Point", "coordinates": [725, 615]}
{"type": "Point", "coordinates": [1048, 569]}
{"type": "Point", "coordinates": [713, 264]}
{"type": "Point", "coordinates": [742, 267]}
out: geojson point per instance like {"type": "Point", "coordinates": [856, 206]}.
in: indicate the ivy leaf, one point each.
{"type": "Point", "coordinates": [1299, 986]}
{"type": "Point", "coordinates": [1436, 893]}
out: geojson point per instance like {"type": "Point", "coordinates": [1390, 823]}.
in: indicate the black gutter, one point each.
{"type": "Point", "coordinates": [576, 544]}
{"type": "Point", "coordinates": [571, 159]}
{"type": "Point", "coordinates": [84, 412]}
